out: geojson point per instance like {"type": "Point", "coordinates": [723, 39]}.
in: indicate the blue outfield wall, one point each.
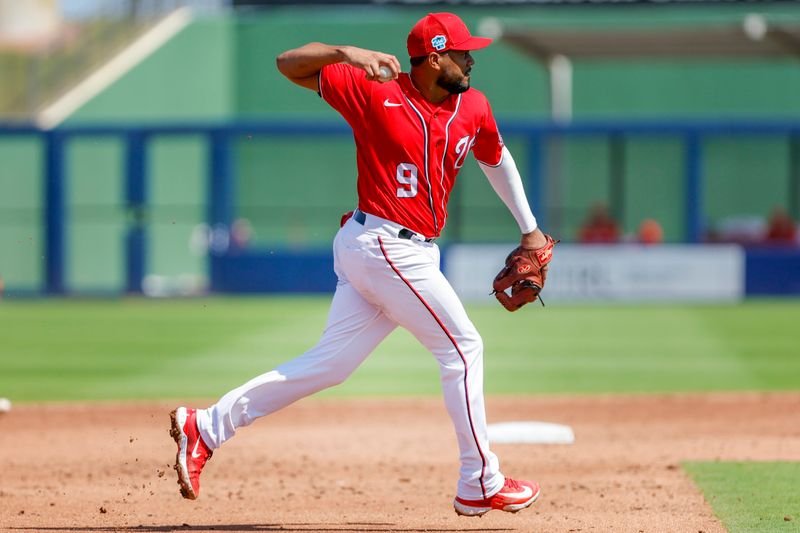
{"type": "Point", "coordinates": [266, 272]}
{"type": "Point", "coordinates": [772, 271]}
{"type": "Point", "coordinates": [768, 272]}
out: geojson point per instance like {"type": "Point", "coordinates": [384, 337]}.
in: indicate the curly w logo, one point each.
{"type": "Point", "coordinates": [463, 147]}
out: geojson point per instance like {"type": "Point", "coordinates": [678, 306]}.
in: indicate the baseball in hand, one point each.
{"type": "Point", "coordinates": [384, 74]}
{"type": "Point", "coordinates": [5, 405]}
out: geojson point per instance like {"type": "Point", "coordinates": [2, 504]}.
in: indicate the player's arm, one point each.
{"type": "Point", "coordinates": [302, 65]}
{"type": "Point", "coordinates": [507, 183]}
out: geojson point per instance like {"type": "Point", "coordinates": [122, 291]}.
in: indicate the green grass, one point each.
{"type": "Point", "coordinates": [751, 497]}
{"type": "Point", "coordinates": [139, 348]}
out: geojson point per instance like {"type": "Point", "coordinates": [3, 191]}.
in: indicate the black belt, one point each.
{"type": "Point", "coordinates": [361, 217]}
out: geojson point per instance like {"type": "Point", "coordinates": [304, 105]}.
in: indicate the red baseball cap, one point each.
{"type": "Point", "coordinates": [439, 32]}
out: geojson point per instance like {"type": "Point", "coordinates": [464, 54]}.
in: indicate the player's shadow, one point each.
{"type": "Point", "coordinates": [349, 527]}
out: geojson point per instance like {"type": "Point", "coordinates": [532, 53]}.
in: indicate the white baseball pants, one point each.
{"type": "Point", "coordinates": [384, 281]}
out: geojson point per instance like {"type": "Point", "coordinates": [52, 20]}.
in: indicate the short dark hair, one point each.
{"type": "Point", "coordinates": [417, 61]}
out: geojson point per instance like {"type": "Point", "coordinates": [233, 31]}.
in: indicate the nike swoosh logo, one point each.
{"type": "Point", "coordinates": [195, 455]}
{"type": "Point", "coordinates": [527, 493]}
{"type": "Point", "coordinates": [387, 103]}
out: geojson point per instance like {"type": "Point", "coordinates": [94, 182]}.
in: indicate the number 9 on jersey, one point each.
{"type": "Point", "coordinates": [407, 178]}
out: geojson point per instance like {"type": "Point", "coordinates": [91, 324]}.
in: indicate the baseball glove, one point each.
{"type": "Point", "coordinates": [525, 272]}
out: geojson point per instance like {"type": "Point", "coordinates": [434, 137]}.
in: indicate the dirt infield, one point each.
{"type": "Point", "coordinates": [364, 465]}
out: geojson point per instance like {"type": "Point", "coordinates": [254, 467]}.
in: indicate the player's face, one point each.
{"type": "Point", "coordinates": [456, 66]}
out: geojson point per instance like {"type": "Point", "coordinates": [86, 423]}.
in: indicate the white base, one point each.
{"type": "Point", "coordinates": [530, 433]}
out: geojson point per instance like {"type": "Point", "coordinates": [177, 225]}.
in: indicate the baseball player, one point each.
{"type": "Point", "coordinates": [413, 132]}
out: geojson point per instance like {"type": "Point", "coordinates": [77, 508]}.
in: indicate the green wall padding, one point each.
{"type": "Point", "coordinates": [578, 178]}
{"type": "Point", "coordinates": [21, 220]}
{"type": "Point", "coordinates": [96, 215]}
{"type": "Point", "coordinates": [654, 186]}
{"type": "Point", "coordinates": [294, 191]}
{"type": "Point", "coordinates": [178, 190]}
{"type": "Point", "coordinates": [745, 176]}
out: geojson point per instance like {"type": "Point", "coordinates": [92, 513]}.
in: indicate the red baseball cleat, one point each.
{"type": "Point", "coordinates": [192, 451]}
{"type": "Point", "coordinates": [513, 497]}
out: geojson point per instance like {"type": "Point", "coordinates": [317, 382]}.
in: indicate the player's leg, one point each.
{"type": "Point", "coordinates": [381, 265]}
{"type": "Point", "coordinates": [354, 329]}
{"type": "Point", "coordinates": [423, 301]}
{"type": "Point", "coordinates": [420, 299]}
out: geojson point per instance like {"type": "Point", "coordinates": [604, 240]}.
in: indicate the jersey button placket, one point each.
{"type": "Point", "coordinates": [435, 129]}
{"type": "Point", "coordinates": [431, 149]}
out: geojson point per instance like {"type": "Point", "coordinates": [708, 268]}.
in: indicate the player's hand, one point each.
{"type": "Point", "coordinates": [533, 240]}
{"type": "Point", "coordinates": [371, 61]}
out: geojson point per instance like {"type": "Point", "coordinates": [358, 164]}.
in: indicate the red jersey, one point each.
{"type": "Point", "coordinates": [408, 149]}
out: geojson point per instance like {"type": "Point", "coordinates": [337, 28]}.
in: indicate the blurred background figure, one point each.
{"type": "Point", "coordinates": [781, 229]}
{"type": "Point", "coordinates": [650, 232]}
{"type": "Point", "coordinates": [241, 234]}
{"type": "Point", "coordinates": [599, 226]}
{"type": "Point", "coordinates": [745, 229]}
